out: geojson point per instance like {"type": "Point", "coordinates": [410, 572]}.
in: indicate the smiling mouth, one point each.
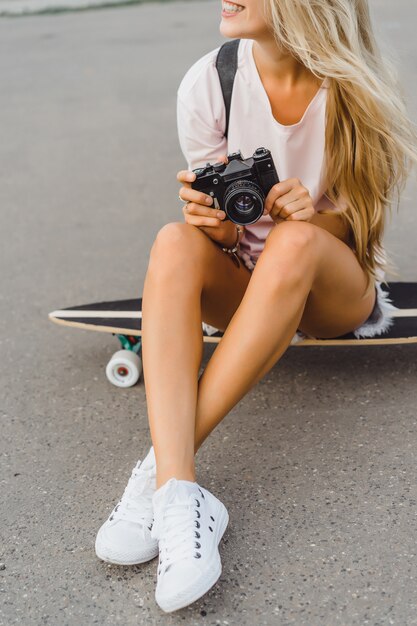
{"type": "Point", "coordinates": [232, 7]}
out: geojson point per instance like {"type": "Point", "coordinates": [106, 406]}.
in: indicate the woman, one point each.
{"type": "Point", "coordinates": [312, 88]}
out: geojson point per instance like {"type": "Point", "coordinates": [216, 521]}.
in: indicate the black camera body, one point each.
{"type": "Point", "coordinates": [241, 186]}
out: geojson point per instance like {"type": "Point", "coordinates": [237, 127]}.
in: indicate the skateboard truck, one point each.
{"type": "Point", "coordinates": [128, 342]}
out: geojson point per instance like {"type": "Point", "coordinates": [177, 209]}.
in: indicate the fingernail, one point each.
{"type": "Point", "coordinates": [190, 177]}
{"type": "Point", "coordinates": [209, 200]}
{"type": "Point", "coordinates": [220, 214]}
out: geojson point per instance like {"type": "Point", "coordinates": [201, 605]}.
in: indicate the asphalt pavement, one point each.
{"type": "Point", "coordinates": [316, 465]}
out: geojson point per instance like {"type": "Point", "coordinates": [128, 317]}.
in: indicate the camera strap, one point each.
{"type": "Point", "coordinates": [226, 65]}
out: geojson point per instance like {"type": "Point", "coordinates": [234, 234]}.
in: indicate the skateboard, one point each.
{"type": "Point", "coordinates": [123, 318]}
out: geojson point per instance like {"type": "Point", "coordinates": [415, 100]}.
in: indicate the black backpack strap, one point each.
{"type": "Point", "coordinates": [226, 65]}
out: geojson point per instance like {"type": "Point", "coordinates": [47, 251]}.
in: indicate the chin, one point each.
{"type": "Point", "coordinates": [234, 32]}
{"type": "Point", "coordinates": [238, 31]}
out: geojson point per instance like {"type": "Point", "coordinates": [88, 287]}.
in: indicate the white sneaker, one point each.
{"type": "Point", "coordinates": [189, 523]}
{"type": "Point", "coordinates": [125, 538]}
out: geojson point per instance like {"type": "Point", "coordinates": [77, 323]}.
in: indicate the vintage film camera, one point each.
{"type": "Point", "coordinates": [241, 186]}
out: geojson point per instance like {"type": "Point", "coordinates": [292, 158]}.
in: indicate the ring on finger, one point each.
{"type": "Point", "coordinates": [182, 199]}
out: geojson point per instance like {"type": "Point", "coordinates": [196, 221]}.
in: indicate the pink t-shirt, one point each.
{"type": "Point", "coordinates": [297, 149]}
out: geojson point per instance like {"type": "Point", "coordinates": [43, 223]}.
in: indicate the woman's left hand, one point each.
{"type": "Point", "coordinates": [289, 200]}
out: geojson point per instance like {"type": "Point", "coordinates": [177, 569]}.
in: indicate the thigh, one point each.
{"type": "Point", "coordinates": [337, 302]}
{"type": "Point", "coordinates": [185, 248]}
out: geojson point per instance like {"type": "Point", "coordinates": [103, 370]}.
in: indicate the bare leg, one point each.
{"type": "Point", "coordinates": [185, 268]}
{"type": "Point", "coordinates": [293, 286]}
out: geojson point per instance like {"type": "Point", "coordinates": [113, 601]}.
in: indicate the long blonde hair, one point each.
{"type": "Point", "coordinates": [370, 142]}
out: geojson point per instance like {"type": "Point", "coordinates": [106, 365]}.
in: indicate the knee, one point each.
{"type": "Point", "coordinates": [295, 236]}
{"type": "Point", "coordinates": [294, 240]}
{"type": "Point", "coordinates": [174, 245]}
{"type": "Point", "coordinates": [292, 248]}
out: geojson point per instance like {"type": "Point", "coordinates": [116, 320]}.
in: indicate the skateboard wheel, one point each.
{"type": "Point", "coordinates": [124, 368]}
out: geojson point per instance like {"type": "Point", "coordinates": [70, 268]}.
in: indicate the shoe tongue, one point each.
{"type": "Point", "coordinates": [174, 491]}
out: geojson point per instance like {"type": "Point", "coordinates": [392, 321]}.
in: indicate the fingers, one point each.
{"type": "Point", "coordinates": [223, 159]}
{"type": "Point", "coordinates": [192, 195]}
{"type": "Point", "coordinates": [196, 209]}
{"type": "Point", "coordinates": [288, 204]}
{"type": "Point", "coordinates": [200, 215]}
{"type": "Point", "coordinates": [186, 176]}
{"type": "Point", "coordinates": [304, 215]}
{"type": "Point", "coordinates": [278, 191]}
{"type": "Point", "coordinates": [195, 220]}
{"type": "Point", "coordinates": [297, 210]}
{"type": "Point", "coordinates": [200, 220]}
{"type": "Point", "coordinates": [289, 200]}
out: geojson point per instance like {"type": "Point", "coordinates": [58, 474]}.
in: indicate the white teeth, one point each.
{"type": "Point", "coordinates": [232, 8]}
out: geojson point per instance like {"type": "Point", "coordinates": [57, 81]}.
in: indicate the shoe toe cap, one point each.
{"type": "Point", "coordinates": [182, 584]}
{"type": "Point", "coordinates": [125, 543]}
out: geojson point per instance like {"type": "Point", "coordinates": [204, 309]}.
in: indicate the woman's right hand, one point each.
{"type": "Point", "coordinates": [199, 212]}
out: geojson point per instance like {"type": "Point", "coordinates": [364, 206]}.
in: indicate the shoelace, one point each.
{"type": "Point", "coordinates": [135, 504]}
{"type": "Point", "coordinates": [177, 531]}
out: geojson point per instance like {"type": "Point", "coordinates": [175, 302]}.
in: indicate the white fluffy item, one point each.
{"type": "Point", "coordinates": [381, 318]}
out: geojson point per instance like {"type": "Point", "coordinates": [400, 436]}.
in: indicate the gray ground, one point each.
{"type": "Point", "coordinates": [316, 465]}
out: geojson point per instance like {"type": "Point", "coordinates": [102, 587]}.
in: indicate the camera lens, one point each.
{"type": "Point", "coordinates": [244, 202]}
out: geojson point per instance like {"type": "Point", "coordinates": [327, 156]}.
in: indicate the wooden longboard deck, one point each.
{"type": "Point", "coordinates": [124, 317]}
